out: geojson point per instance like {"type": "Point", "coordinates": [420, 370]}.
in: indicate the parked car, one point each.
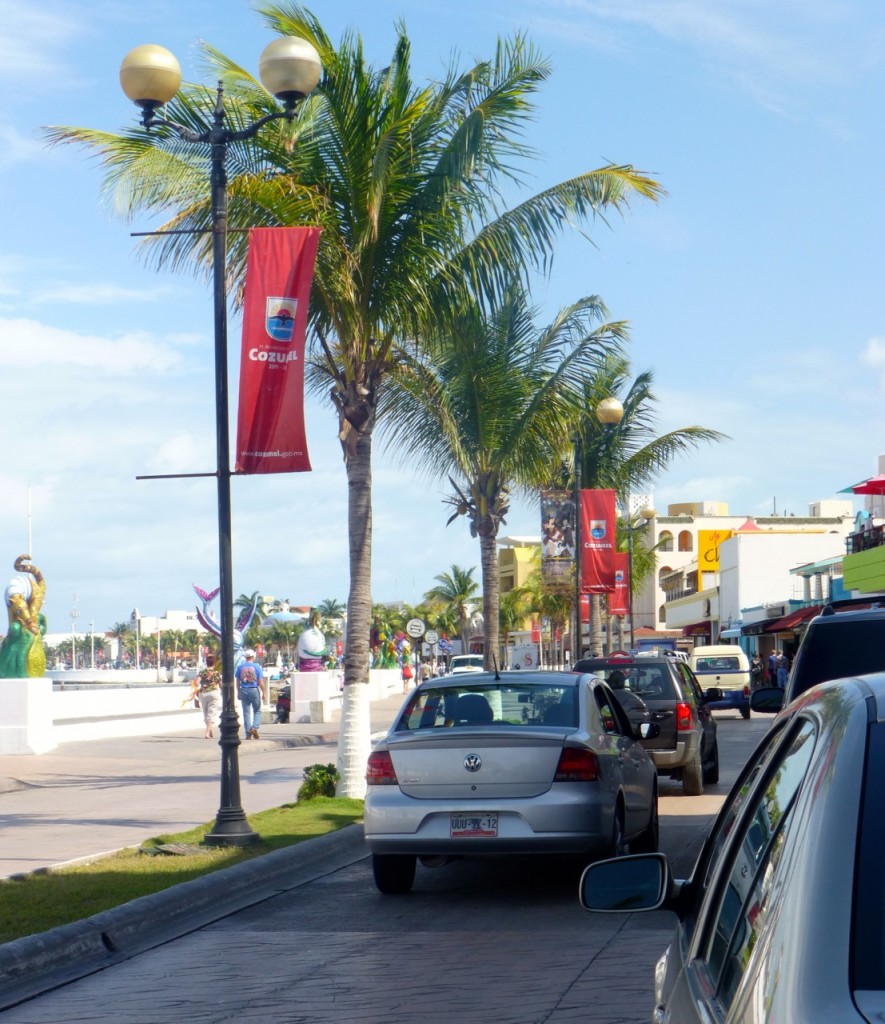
{"type": "Point", "coordinates": [686, 746]}
{"type": "Point", "coordinates": [837, 643]}
{"type": "Point", "coordinates": [465, 663]}
{"type": "Point", "coordinates": [783, 917]}
{"type": "Point", "coordinates": [508, 763]}
{"type": "Point", "coordinates": [727, 667]}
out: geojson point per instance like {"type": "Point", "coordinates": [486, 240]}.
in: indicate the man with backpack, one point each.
{"type": "Point", "coordinates": [250, 686]}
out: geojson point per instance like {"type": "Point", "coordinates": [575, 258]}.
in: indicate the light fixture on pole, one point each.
{"type": "Point", "coordinates": [609, 412]}
{"type": "Point", "coordinates": [631, 526]}
{"type": "Point", "coordinates": [150, 76]}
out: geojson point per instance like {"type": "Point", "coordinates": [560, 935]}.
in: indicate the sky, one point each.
{"type": "Point", "coordinates": [753, 289]}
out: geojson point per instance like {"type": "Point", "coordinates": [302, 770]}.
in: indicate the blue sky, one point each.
{"type": "Point", "coordinates": [753, 289]}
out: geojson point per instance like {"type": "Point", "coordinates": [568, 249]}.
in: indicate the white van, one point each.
{"type": "Point", "coordinates": [728, 667]}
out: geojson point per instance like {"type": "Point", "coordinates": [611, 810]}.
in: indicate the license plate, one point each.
{"type": "Point", "coordinates": [482, 825]}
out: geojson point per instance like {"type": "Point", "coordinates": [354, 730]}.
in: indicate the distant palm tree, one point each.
{"type": "Point", "coordinates": [456, 591]}
{"type": "Point", "coordinates": [628, 456]}
{"type": "Point", "coordinates": [493, 404]}
{"type": "Point", "coordinates": [332, 608]}
{"type": "Point", "coordinates": [122, 633]}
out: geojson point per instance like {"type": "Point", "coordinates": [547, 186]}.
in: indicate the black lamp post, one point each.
{"type": "Point", "coordinates": [631, 526]}
{"type": "Point", "coordinates": [150, 76]}
{"type": "Point", "coordinates": [609, 412]}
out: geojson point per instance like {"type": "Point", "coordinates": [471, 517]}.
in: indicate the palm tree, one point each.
{"type": "Point", "coordinates": [332, 608]}
{"type": "Point", "coordinates": [122, 633]}
{"type": "Point", "coordinates": [456, 590]}
{"type": "Point", "coordinates": [492, 405]}
{"type": "Point", "coordinates": [628, 455]}
{"type": "Point", "coordinates": [403, 180]}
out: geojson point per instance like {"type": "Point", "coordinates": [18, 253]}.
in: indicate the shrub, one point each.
{"type": "Point", "coordinates": [319, 780]}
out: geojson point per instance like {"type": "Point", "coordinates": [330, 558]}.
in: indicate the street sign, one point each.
{"type": "Point", "coordinates": [415, 628]}
{"type": "Point", "coordinates": [431, 637]}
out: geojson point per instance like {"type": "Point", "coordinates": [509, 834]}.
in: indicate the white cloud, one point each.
{"type": "Point", "coordinates": [100, 294]}
{"type": "Point", "coordinates": [29, 343]}
{"type": "Point", "coordinates": [873, 355]}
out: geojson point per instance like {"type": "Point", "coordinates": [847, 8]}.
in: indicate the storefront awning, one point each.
{"type": "Point", "coordinates": [792, 620]}
{"type": "Point", "coordinates": [697, 629]}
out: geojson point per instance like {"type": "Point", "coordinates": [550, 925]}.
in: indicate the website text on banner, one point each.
{"type": "Point", "coordinates": [597, 541]}
{"type": "Point", "coordinates": [270, 422]}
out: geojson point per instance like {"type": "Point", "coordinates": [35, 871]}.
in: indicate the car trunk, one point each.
{"type": "Point", "coordinates": [511, 763]}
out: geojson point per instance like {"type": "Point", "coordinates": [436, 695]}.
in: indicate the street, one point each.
{"type": "Point", "coordinates": [501, 940]}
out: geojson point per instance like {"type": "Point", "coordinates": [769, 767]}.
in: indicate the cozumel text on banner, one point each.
{"type": "Point", "coordinates": [270, 419]}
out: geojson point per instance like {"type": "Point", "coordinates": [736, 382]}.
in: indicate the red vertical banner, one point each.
{"type": "Point", "coordinates": [619, 598]}
{"type": "Point", "coordinates": [270, 420]}
{"type": "Point", "coordinates": [597, 541]}
{"type": "Point", "coordinates": [585, 608]}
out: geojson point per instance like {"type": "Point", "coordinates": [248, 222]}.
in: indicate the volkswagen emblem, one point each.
{"type": "Point", "coordinates": [473, 762]}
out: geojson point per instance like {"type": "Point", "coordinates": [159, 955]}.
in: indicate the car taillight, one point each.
{"type": "Point", "coordinates": [379, 769]}
{"type": "Point", "coordinates": [576, 765]}
{"type": "Point", "coordinates": [683, 716]}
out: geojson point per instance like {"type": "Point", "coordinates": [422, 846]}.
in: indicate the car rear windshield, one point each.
{"type": "Point", "coordinates": [834, 649]}
{"type": "Point", "coordinates": [526, 704]}
{"type": "Point", "coordinates": [722, 664]}
{"type": "Point", "coordinates": [646, 679]}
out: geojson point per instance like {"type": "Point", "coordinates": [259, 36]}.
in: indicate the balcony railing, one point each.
{"type": "Point", "coordinates": [866, 540]}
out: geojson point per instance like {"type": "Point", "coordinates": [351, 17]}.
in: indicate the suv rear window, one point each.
{"type": "Point", "coordinates": [645, 678]}
{"type": "Point", "coordinates": [839, 649]}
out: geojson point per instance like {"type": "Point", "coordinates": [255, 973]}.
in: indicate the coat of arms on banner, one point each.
{"type": "Point", "coordinates": [597, 528]}
{"type": "Point", "coordinates": [279, 318]}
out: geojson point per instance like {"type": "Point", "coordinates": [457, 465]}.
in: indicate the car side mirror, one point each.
{"type": "Point", "coordinates": [649, 730]}
{"type": "Point", "coordinates": [768, 700]}
{"type": "Point", "coordinates": [626, 884]}
{"type": "Point", "coordinates": [713, 693]}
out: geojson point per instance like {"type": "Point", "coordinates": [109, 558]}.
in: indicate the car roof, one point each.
{"type": "Point", "coordinates": [833, 613]}
{"type": "Point", "coordinates": [589, 664]}
{"type": "Point", "coordinates": [536, 676]}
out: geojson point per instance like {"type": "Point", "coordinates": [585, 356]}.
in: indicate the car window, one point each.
{"type": "Point", "coordinates": [523, 704]}
{"type": "Point", "coordinates": [738, 900]}
{"type": "Point", "coordinates": [832, 650]}
{"type": "Point", "coordinates": [868, 940]}
{"type": "Point", "coordinates": [614, 720]}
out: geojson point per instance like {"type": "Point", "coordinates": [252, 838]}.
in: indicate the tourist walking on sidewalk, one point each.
{"type": "Point", "coordinates": [250, 686]}
{"type": "Point", "coordinates": [208, 694]}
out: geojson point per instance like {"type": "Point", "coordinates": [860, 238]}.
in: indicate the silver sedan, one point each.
{"type": "Point", "coordinates": [783, 918]}
{"type": "Point", "coordinates": [508, 763]}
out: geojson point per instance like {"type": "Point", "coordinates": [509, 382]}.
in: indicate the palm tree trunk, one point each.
{"type": "Point", "coordinates": [354, 738]}
{"type": "Point", "coordinates": [488, 549]}
{"type": "Point", "coordinates": [595, 625]}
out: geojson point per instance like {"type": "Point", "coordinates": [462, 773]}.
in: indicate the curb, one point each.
{"type": "Point", "coordinates": [39, 963]}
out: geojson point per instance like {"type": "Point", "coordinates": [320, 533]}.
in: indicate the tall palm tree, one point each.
{"type": "Point", "coordinates": [492, 405]}
{"type": "Point", "coordinates": [406, 183]}
{"type": "Point", "coordinates": [457, 591]}
{"type": "Point", "coordinates": [629, 455]}
{"type": "Point", "coordinates": [122, 633]}
{"type": "Point", "coordinates": [332, 608]}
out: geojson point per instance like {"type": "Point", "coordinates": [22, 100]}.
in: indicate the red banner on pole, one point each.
{"type": "Point", "coordinates": [597, 541]}
{"type": "Point", "coordinates": [270, 421]}
{"type": "Point", "coordinates": [619, 599]}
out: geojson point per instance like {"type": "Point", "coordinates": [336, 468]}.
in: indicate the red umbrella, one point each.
{"type": "Point", "coordinates": [875, 485]}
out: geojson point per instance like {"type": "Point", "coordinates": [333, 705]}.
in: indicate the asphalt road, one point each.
{"type": "Point", "coordinates": [502, 942]}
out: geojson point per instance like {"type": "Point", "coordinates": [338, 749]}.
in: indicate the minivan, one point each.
{"type": "Point", "coordinates": [727, 667]}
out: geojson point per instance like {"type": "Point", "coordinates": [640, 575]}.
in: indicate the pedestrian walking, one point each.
{"type": "Point", "coordinates": [407, 675]}
{"type": "Point", "coordinates": [208, 693]}
{"type": "Point", "coordinates": [250, 687]}
{"type": "Point", "coordinates": [772, 668]}
{"type": "Point", "coordinates": [425, 671]}
{"type": "Point", "coordinates": [757, 673]}
{"type": "Point", "coordinates": [783, 670]}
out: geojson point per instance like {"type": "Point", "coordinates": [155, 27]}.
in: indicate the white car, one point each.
{"type": "Point", "coordinates": [461, 663]}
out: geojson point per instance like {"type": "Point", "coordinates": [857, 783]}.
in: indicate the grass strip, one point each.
{"type": "Point", "coordinates": [46, 899]}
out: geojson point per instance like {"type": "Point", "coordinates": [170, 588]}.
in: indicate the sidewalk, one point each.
{"type": "Point", "coordinates": [88, 798]}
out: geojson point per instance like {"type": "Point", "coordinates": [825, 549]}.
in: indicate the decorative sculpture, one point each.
{"type": "Point", "coordinates": [22, 655]}
{"type": "Point", "coordinates": [210, 623]}
{"type": "Point", "coordinates": [312, 648]}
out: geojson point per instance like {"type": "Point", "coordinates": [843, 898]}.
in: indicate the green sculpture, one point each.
{"type": "Point", "coordinates": [21, 654]}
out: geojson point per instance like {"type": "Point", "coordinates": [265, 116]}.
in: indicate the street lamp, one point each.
{"type": "Point", "coordinates": [150, 76]}
{"type": "Point", "coordinates": [631, 526]}
{"type": "Point", "coordinates": [609, 412]}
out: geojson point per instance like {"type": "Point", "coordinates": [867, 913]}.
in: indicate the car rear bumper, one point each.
{"type": "Point", "coordinates": [676, 758]}
{"type": "Point", "coordinates": [732, 700]}
{"type": "Point", "coordinates": [562, 821]}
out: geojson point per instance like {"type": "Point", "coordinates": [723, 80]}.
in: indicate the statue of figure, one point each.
{"type": "Point", "coordinates": [210, 623]}
{"type": "Point", "coordinates": [22, 655]}
{"type": "Point", "coordinates": [312, 648]}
